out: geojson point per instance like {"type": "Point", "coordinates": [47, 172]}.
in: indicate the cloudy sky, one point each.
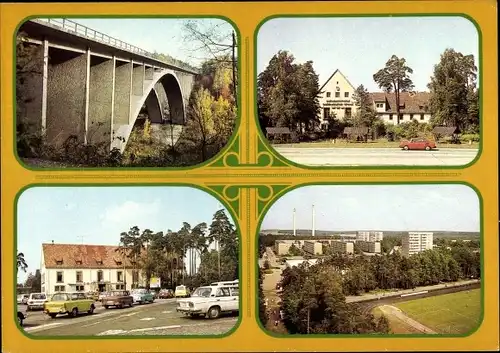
{"type": "Point", "coordinates": [97, 215]}
{"type": "Point", "coordinates": [378, 207]}
{"type": "Point", "coordinates": [359, 47]}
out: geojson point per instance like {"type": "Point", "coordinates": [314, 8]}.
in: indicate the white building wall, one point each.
{"type": "Point", "coordinates": [337, 96]}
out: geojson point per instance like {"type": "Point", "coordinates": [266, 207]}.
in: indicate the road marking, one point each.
{"type": "Point", "coordinates": [126, 315]}
{"type": "Point", "coordinates": [166, 312]}
{"type": "Point", "coordinates": [111, 332]}
{"type": "Point", "coordinates": [154, 328]}
{"type": "Point", "coordinates": [147, 318]}
{"type": "Point", "coordinates": [41, 327]}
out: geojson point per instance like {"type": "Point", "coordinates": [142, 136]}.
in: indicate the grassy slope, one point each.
{"type": "Point", "coordinates": [456, 313]}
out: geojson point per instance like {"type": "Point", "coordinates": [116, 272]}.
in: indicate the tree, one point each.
{"type": "Point", "coordinates": [223, 235]}
{"type": "Point", "coordinates": [34, 281]}
{"type": "Point", "coordinates": [219, 46]}
{"type": "Point", "coordinates": [394, 77]}
{"type": "Point", "coordinates": [454, 96]}
{"type": "Point", "coordinates": [288, 93]}
{"type": "Point", "coordinates": [365, 114]}
{"type": "Point", "coordinates": [262, 301]}
{"type": "Point", "coordinates": [21, 262]}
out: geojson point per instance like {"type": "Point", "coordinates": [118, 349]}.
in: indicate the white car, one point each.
{"type": "Point", "coordinates": [36, 301]}
{"type": "Point", "coordinates": [210, 301]}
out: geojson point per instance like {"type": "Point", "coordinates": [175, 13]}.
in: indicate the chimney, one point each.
{"type": "Point", "coordinates": [313, 221]}
{"type": "Point", "coordinates": [294, 228]}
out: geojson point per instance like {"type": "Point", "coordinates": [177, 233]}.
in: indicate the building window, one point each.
{"type": "Point", "coordinates": [337, 94]}
{"type": "Point", "coordinates": [119, 276]}
{"type": "Point", "coordinates": [328, 94]}
{"type": "Point", "coordinates": [59, 262]}
{"type": "Point", "coordinates": [411, 116]}
{"type": "Point", "coordinates": [59, 289]}
{"type": "Point", "coordinates": [80, 288]}
{"type": "Point", "coordinates": [326, 113]}
{"type": "Point", "coordinates": [379, 105]}
{"type": "Point", "coordinates": [421, 116]}
{"type": "Point", "coordinates": [390, 117]}
{"type": "Point", "coordinates": [346, 94]}
{"type": "Point", "coordinates": [120, 286]}
{"type": "Point", "coordinates": [347, 112]}
{"type": "Point", "coordinates": [59, 276]}
{"type": "Point", "coordinates": [99, 262]}
{"type": "Point", "coordinates": [79, 276]}
{"type": "Point", "coordinates": [100, 276]}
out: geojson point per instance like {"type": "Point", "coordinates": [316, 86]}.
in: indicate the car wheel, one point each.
{"type": "Point", "coordinates": [427, 148]}
{"type": "Point", "coordinates": [214, 312]}
{"type": "Point", "coordinates": [74, 312]}
{"type": "Point", "coordinates": [406, 148]}
{"type": "Point", "coordinates": [106, 306]}
{"type": "Point", "coordinates": [52, 316]}
{"type": "Point", "coordinates": [120, 306]}
{"type": "Point", "coordinates": [91, 310]}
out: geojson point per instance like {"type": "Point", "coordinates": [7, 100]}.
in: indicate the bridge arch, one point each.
{"type": "Point", "coordinates": [176, 105]}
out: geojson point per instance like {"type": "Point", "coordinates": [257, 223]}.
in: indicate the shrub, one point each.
{"type": "Point", "coordinates": [470, 137]}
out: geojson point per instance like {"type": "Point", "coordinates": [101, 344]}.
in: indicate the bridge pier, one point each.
{"type": "Point", "coordinates": [65, 95]}
{"type": "Point", "coordinates": [101, 99]}
{"type": "Point", "coordinates": [123, 94]}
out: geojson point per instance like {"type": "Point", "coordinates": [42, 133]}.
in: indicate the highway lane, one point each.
{"type": "Point", "coordinates": [159, 318]}
{"type": "Point", "coordinates": [324, 156]}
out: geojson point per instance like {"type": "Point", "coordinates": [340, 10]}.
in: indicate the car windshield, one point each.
{"type": "Point", "coordinates": [38, 296]}
{"type": "Point", "coordinates": [180, 288]}
{"type": "Point", "coordinates": [202, 292]}
{"type": "Point", "coordinates": [59, 297]}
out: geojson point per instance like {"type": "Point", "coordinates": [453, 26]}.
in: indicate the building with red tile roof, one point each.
{"type": "Point", "coordinates": [79, 267]}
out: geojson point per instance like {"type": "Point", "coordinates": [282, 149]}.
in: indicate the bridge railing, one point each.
{"type": "Point", "coordinates": [90, 33]}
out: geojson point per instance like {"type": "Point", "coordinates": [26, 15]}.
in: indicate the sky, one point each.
{"type": "Point", "coordinates": [97, 215]}
{"type": "Point", "coordinates": [378, 207]}
{"type": "Point", "coordinates": [359, 47]}
{"type": "Point", "coordinates": [163, 35]}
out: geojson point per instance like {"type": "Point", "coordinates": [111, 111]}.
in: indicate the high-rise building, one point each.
{"type": "Point", "coordinates": [342, 247]}
{"type": "Point", "coordinates": [369, 236]}
{"type": "Point", "coordinates": [369, 246]}
{"type": "Point", "coordinates": [415, 242]}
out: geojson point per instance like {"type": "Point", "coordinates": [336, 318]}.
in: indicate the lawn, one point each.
{"type": "Point", "coordinates": [455, 313]}
{"type": "Point", "coordinates": [397, 326]}
{"type": "Point", "coordinates": [371, 144]}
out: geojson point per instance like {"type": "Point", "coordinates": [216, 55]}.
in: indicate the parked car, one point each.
{"type": "Point", "coordinates": [166, 293]}
{"type": "Point", "coordinates": [21, 316]}
{"type": "Point", "coordinates": [210, 301]}
{"type": "Point", "coordinates": [118, 299]}
{"type": "Point", "coordinates": [68, 303]}
{"type": "Point", "coordinates": [417, 144]}
{"type": "Point", "coordinates": [36, 301]}
{"type": "Point", "coordinates": [181, 291]}
{"type": "Point", "coordinates": [102, 295]}
{"type": "Point", "coordinates": [22, 298]}
{"type": "Point", "coordinates": [142, 296]}
{"type": "Point", "coordinates": [93, 295]}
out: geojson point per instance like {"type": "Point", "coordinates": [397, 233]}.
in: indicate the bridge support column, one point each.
{"type": "Point", "coordinates": [123, 92]}
{"type": "Point", "coordinates": [65, 96]}
{"type": "Point", "coordinates": [101, 99]}
{"type": "Point", "coordinates": [31, 90]}
{"type": "Point", "coordinates": [138, 76]}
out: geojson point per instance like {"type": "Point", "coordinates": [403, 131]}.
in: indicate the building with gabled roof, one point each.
{"type": "Point", "coordinates": [86, 268]}
{"type": "Point", "coordinates": [336, 98]}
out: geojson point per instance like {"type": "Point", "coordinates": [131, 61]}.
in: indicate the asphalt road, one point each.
{"type": "Point", "coordinates": [159, 318]}
{"type": "Point", "coordinates": [376, 156]}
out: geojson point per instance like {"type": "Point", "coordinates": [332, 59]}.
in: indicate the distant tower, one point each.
{"type": "Point", "coordinates": [294, 228]}
{"type": "Point", "coordinates": [313, 221]}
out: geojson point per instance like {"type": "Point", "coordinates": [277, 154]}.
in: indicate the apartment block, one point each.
{"type": "Point", "coordinates": [342, 247]}
{"type": "Point", "coordinates": [369, 246]}
{"type": "Point", "coordinates": [415, 242]}
{"type": "Point", "coordinates": [313, 247]}
{"type": "Point", "coordinates": [369, 236]}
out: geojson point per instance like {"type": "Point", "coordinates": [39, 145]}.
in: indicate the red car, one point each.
{"type": "Point", "coordinates": [417, 144]}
